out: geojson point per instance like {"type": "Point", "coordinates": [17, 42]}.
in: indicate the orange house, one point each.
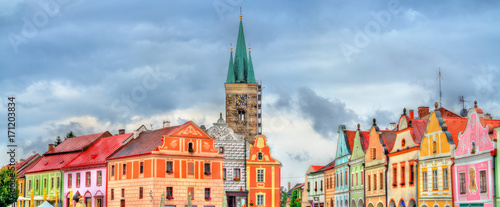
{"type": "Point", "coordinates": [168, 163]}
{"type": "Point", "coordinates": [263, 175]}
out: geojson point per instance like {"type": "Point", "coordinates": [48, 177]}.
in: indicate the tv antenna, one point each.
{"type": "Point", "coordinates": [463, 112]}
{"type": "Point", "coordinates": [440, 77]}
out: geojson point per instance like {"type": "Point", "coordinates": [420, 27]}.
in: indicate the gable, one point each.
{"type": "Point", "coordinates": [357, 150]}
{"type": "Point", "coordinates": [260, 147]}
{"type": "Point", "coordinates": [403, 123]}
{"type": "Point", "coordinates": [342, 144]}
{"type": "Point", "coordinates": [474, 136]}
{"type": "Point", "coordinates": [436, 139]}
{"type": "Point", "coordinates": [189, 129]}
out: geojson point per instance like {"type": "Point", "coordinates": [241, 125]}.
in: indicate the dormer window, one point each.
{"type": "Point", "coordinates": [259, 155]}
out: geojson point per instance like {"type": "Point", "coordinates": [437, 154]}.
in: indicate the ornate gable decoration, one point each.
{"type": "Point", "coordinates": [189, 130]}
{"type": "Point", "coordinates": [474, 139]}
{"type": "Point", "coordinates": [222, 132]}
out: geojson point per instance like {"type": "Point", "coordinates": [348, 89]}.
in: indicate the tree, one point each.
{"type": "Point", "coordinates": [9, 192]}
{"type": "Point", "coordinates": [284, 196]}
{"type": "Point", "coordinates": [70, 134]}
{"type": "Point", "coordinates": [58, 141]}
{"type": "Point", "coordinates": [294, 199]}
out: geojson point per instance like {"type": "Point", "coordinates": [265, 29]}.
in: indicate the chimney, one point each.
{"type": "Point", "coordinates": [22, 160]}
{"type": "Point", "coordinates": [288, 186]}
{"type": "Point", "coordinates": [488, 116]}
{"type": "Point", "coordinates": [392, 126]}
{"type": "Point", "coordinates": [412, 114]}
{"type": "Point", "coordinates": [203, 127]}
{"type": "Point", "coordinates": [121, 131]}
{"type": "Point", "coordinates": [423, 111]}
{"type": "Point", "coordinates": [51, 146]}
{"type": "Point", "coordinates": [166, 124]}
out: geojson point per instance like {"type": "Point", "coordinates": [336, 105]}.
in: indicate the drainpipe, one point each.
{"type": "Point", "coordinates": [386, 169]}
{"type": "Point", "coordinates": [452, 172]}
{"type": "Point", "coordinates": [348, 184]}
{"type": "Point", "coordinates": [416, 182]}
{"type": "Point", "coordinates": [364, 184]}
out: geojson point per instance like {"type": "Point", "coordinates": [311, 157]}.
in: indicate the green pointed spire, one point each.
{"type": "Point", "coordinates": [250, 75]}
{"type": "Point", "coordinates": [230, 70]}
{"type": "Point", "coordinates": [241, 71]}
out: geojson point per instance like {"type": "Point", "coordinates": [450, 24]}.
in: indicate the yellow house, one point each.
{"type": "Point", "coordinates": [435, 159]}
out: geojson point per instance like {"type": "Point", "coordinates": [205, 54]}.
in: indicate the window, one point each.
{"type": "Point", "coordinates": [51, 183]}
{"type": "Point", "coordinates": [434, 179]}
{"type": "Point", "coordinates": [236, 173]}
{"type": "Point", "coordinates": [123, 193]}
{"type": "Point", "coordinates": [112, 194]}
{"type": "Point", "coordinates": [207, 168]}
{"type": "Point", "coordinates": [87, 180]}
{"type": "Point", "coordinates": [462, 183]}
{"type": "Point", "coordinates": [424, 180]}
{"type": "Point", "coordinates": [57, 182]}
{"type": "Point", "coordinates": [20, 187]}
{"type": "Point", "coordinates": [45, 183]}
{"type": "Point", "coordinates": [259, 155]}
{"type": "Point", "coordinates": [191, 168]}
{"type": "Point", "coordinates": [345, 178]}
{"type": "Point", "coordinates": [36, 184]}
{"type": "Point", "coordinates": [482, 181]}
{"type": "Point", "coordinates": [362, 177]}
{"type": "Point", "coordinates": [170, 167]}
{"type": "Point", "coordinates": [369, 183]}
{"type": "Point", "coordinates": [374, 153]}
{"type": "Point", "coordinates": [357, 179]}
{"type": "Point", "coordinates": [375, 181]}
{"type": "Point", "coordinates": [170, 193]}
{"type": "Point", "coordinates": [221, 150]}
{"type": "Point", "coordinates": [141, 167]}
{"type": "Point", "coordinates": [207, 193]}
{"type": "Point", "coordinates": [260, 200]}
{"type": "Point", "coordinates": [141, 192]}
{"type": "Point", "coordinates": [331, 182]}
{"type": "Point", "coordinates": [316, 185]}
{"type": "Point", "coordinates": [394, 175]}
{"type": "Point", "coordinates": [340, 181]}
{"type": "Point", "coordinates": [190, 147]}
{"type": "Point", "coordinates": [260, 175]}
{"type": "Point", "coordinates": [412, 174]}
{"type": "Point", "coordinates": [99, 178]}
{"type": "Point", "coordinates": [381, 180]}
{"type": "Point", "coordinates": [434, 147]}
{"type": "Point", "coordinates": [308, 185]}
{"type": "Point", "coordinates": [445, 177]}
{"type": "Point", "coordinates": [77, 180]}
{"type": "Point", "coordinates": [241, 115]}
{"type": "Point", "coordinates": [191, 191]}
{"type": "Point", "coordinates": [224, 174]}
{"type": "Point", "coordinates": [124, 170]}
{"type": "Point", "coordinates": [403, 174]}
{"type": "Point", "coordinates": [112, 170]}
{"type": "Point", "coordinates": [337, 180]}
{"type": "Point", "coordinates": [29, 185]}
{"type": "Point", "coordinates": [473, 148]}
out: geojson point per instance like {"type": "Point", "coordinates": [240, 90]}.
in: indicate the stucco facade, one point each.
{"type": "Point", "coordinates": [307, 186]}
{"type": "Point", "coordinates": [330, 185]}
{"type": "Point", "coordinates": [342, 168]}
{"type": "Point", "coordinates": [234, 149]}
{"type": "Point", "coordinates": [357, 171]}
{"type": "Point", "coordinates": [403, 159]}
{"type": "Point", "coordinates": [473, 168]}
{"type": "Point", "coordinates": [316, 180]}
{"type": "Point", "coordinates": [435, 153]}
{"type": "Point", "coordinates": [496, 179]}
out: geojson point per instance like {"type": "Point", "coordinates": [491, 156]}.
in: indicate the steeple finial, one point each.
{"type": "Point", "coordinates": [475, 104]}
{"type": "Point", "coordinates": [374, 122]}
{"type": "Point", "coordinates": [231, 47]}
{"type": "Point", "coordinates": [241, 16]}
{"type": "Point", "coordinates": [358, 126]}
{"type": "Point", "coordinates": [249, 51]}
{"type": "Point", "coordinates": [404, 111]}
{"type": "Point", "coordinates": [436, 105]}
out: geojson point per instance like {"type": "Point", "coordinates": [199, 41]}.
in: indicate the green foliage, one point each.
{"type": "Point", "coordinates": [58, 141]}
{"type": "Point", "coordinates": [284, 196]}
{"type": "Point", "coordinates": [9, 192]}
{"type": "Point", "coordinates": [294, 198]}
{"type": "Point", "coordinates": [70, 134]}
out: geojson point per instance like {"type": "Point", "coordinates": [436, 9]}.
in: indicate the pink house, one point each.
{"type": "Point", "coordinates": [86, 174]}
{"type": "Point", "coordinates": [473, 168]}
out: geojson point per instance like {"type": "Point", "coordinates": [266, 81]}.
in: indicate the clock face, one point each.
{"type": "Point", "coordinates": [241, 100]}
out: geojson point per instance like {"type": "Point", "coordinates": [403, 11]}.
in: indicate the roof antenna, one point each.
{"type": "Point", "coordinates": [440, 77]}
{"type": "Point", "coordinates": [463, 112]}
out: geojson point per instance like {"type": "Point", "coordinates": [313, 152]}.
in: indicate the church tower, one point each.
{"type": "Point", "coordinates": [243, 93]}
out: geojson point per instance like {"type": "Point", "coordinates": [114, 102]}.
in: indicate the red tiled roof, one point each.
{"type": "Point", "coordinates": [53, 162]}
{"type": "Point", "coordinates": [145, 143]}
{"type": "Point", "coordinates": [364, 137]}
{"type": "Point", "coordinates": [99, 151]}
{"type": "Point", "coordinates": [316, 167]}
{"type": "Point", "coordinates": [350, 138]}
{"type": "Point", "coordinates": [455, 125]}
{"type": "Point", "coordinates": [298, 186]}
{"type": "Point", "coordinates": [447, 113]}
{"type": "Point", "coordinates": [419, 127]}
{"type": "Point", "coordinates": [388, 137]}
{"type": "Point", "coordinates": [77, 143]}
{"type": "Point", "coordinates": [328, 166]}
{"type": "Point", "coordinates": [35, 160]}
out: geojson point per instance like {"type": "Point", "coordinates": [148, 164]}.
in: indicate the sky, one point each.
{"type": "Point", "coordinates": [89, 67]}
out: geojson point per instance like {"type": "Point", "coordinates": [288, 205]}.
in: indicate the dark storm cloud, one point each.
{"type": "Point", "coordinates": [326, 114]}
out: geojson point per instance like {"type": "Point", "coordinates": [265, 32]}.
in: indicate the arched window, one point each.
{"type": "Point", "coordinates": [434, 147]}
{"type": "Point", "coordinates": [473, 148]}
{"type": "Point", "coordinates": [190, 147]}
{"type": "Point", "coordinates": [374, 153]}
{"type": "Point", "coordinates": [259, 155]}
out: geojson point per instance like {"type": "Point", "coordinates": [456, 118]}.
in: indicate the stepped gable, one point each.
{"type": "Point", "coordinates": [146, 142]}
{"type": "Point", "coordinates": [76, 144]}
{"type": "Point", "coordinates": [97, 153]}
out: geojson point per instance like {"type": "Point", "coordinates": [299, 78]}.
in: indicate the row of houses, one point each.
{"type": "Point", "coordinates": [438, 159]}
{"type": "Point", "coordinates": [170, 166]}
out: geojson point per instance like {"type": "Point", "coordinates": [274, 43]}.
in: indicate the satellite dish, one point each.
{"type": "Point", "coordinates": [463, 113]}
